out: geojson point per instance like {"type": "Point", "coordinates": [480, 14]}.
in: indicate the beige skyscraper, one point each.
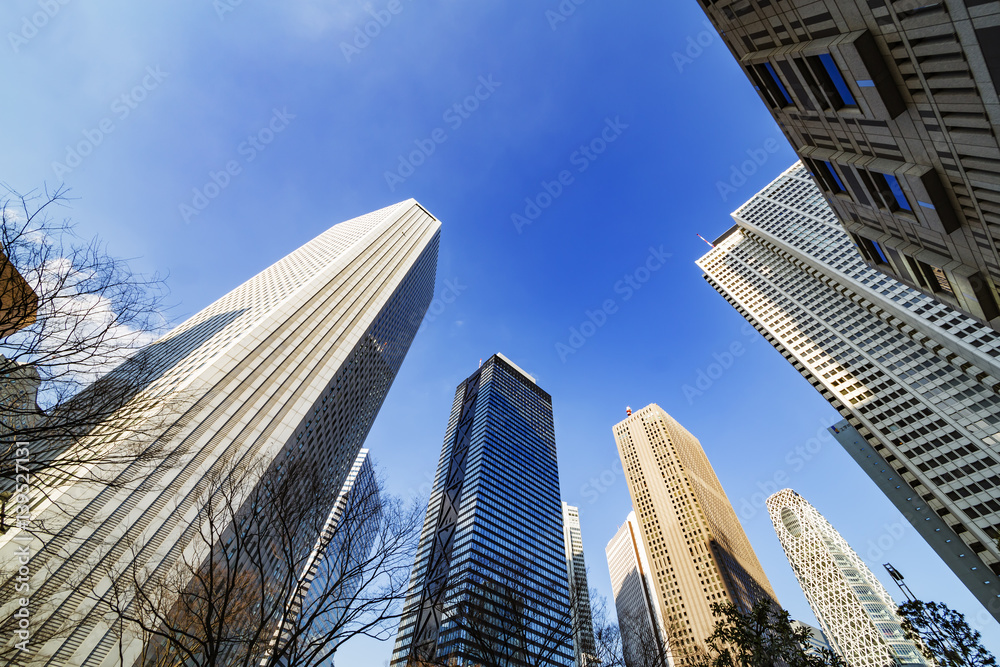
{"type": "Point", "coordinates": [697, 550]}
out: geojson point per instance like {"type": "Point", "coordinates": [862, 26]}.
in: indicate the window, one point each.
{"type": "Point", "coordinates": [930, 277]}
{"type": "Point", "coordinates": [897, 192]}
{"type": "Point", "coordinates": [770, 85]}
{"type": "Point", "coordinates": [839, 84]}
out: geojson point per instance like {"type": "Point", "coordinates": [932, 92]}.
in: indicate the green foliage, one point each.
{"type": "Point", "coordinates": [762, 637]}
{"type": "Point", "coordinates": [945, 635]}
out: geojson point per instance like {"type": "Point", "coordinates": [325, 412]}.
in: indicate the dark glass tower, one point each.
{"type": "Point", "coordinates": [491, 567]}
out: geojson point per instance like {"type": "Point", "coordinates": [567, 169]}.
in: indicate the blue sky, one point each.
{"type": "Point", "coordinates": [207, 139]}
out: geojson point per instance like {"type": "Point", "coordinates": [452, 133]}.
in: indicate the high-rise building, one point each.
{"type": "Point", "coordinates": [490, 570]}
{"type": "Point", "coordinates": [856, 613]}
{"type": "Point", "coordinates": [917, 378]}
{"type": "Point", "coordinates": [294, 362]}
{"type": "Point", "coordinates": [698, 552]}
{"type": "Point", "coordinates": [816, 642]}
{"type": "Point", "coordinates": [893, 108]}
{"type": "Point", "coordinates": [337, 564]}
{"type": "Point", "coordinates": [638, 612]}
{"type": "Point", "coordinates": [18, 300]}
{"type": "Point", "coordinates": [579, 591]}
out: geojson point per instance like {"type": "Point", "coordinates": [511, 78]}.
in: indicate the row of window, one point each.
{"type": "Point", "coordinates": [816, 81]}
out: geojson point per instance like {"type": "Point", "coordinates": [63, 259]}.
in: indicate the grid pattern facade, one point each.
{"type": "Point", "coordinates": [917, 378]}
{"type": "Point", "coordinates": [698, 552]}
{"type": "Point", "coordinates": [295, 363]}
{"type": "Point", "coordinates": [893, 106]}
{"type": "Point", "coordinates": [579, 590]}
{"type": "Point", "coordinates": [856, 613]}
{"type": "Point", "coordinates": [342, 550]}
{"type": "Point", "coordinates": [494, 520]}
{"type": "Point", "coordinates": [635, 604]}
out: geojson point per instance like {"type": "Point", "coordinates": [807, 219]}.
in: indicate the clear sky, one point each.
{"type": "Point", "coordinates": [207, 139]}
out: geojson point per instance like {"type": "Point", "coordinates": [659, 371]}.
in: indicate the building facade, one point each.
{"type": "Point", "coordinates": [856, 613]}
{"type": "Point", "coordinates": [636, 606]}
{"type": "Point", "coordinates": [917, 378]}
{"type": "Point", "coordinates": [490, 572]}
{"type": "Point", "coordinates": [579, 590]}
{"type": "Point", "coordinates": [294, 362]}
{"type": "Point", "coordinates": [698, 552]}
{"type": "Point", "coordinates": [339, 561]}
{"type": "Point", "coordinates": [816, 642]}
{"type": "Point", "coordinates": [893, 108]}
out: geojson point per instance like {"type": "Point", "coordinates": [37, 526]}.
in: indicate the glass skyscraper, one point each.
{"type": "Point", "coordinates": [490, 572]}
{"type": "Point", "coordinates": [294, 363]}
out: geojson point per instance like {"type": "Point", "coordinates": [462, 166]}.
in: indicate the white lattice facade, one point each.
{"type": "Point", "coordinates": [918, 379]}
{"type": "Point", "coordinates": [856, 613]}
{"type": "Point", "coordinates": [295, 362]}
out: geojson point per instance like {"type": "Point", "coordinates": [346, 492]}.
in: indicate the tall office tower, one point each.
{"type": "Point", "coordinates": [893, 107]}
{"type": "Point", "coordinates": [638, 611]}
{"type": "Point", "coordinates": [579, 591]}
{"type": "Point", "coordinates": [294, 362]}
{"type": "Point", "coordinates": [490, 570]}
{"type": "Point", "coordinates": [698, 552]}
{"type": "Point", "coordinates": [815, 642]}
{"type": "Point", "coordinates": [918, 379]}
{"type": "Point", "coordinates": [337, 563]}
{"type": "Point", "coordinates": [856, 613]}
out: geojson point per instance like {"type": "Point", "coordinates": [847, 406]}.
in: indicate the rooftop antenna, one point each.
{"type": "Point", "coordinates": [705, 240]}
{"type": "Point", "coordinates": [628, 411]}
{"type": "Point", "coordinates": [480, 362]}
{"type": "Point", "coordinates": [898, 578]}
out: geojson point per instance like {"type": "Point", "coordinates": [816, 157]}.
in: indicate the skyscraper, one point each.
{"type": "Point", "coordinates": [490, 572]}
{"type": "Point", "coordinates": [638, 611]}
{"type": "Point", "coordinates": [856, 613]}
{"type": "Point", "coordinates": [294, 362]}
{"type": "Point", "coordinates": [579, 591]}
{"type": "Point", "coordinates": [916, 378]}
{"type": "Point", "coordinates": [698, 552]}
{"type": "Point", "coordinates": [892, 106]}
{"type": "Point", "coordinates": [337, 563]}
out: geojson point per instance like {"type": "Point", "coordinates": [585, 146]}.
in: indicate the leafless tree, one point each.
{"type": "Point", "coordinates": [631, 643]}
{"type": "Point", "coordinates": [71, 320]}
{"type": "Point", "coordinates": [271, 580]}
{"type": "Point", "coordinates": [499, 613]}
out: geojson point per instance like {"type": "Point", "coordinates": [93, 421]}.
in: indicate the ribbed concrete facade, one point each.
{"type": "Point", "coordinates": [894, 108]}
{"type": "Point", "coordinates": [299, 358]}
{"type": "Point", "coordinates": [857, 614]}
{"type": "Point", "coordinates": [579, 590]}
{"type": "Point", "coordinates": [636, 606]}
{"type": "Point", "coordinates": [698, 552]}
{"type": "Point", "coordinates": [918, 379]}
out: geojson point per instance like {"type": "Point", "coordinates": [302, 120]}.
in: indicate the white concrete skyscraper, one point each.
{"type": "Point", "coordinates": [856, 613]}
{"type": "Point", "coordinates": [296, 363]}
{"type": "Point", "coordinates": [579, 591]}
{"type": "Point", "coordinates": [916, 378]}
{"type": "Point", "coordinates": [638, 612]}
